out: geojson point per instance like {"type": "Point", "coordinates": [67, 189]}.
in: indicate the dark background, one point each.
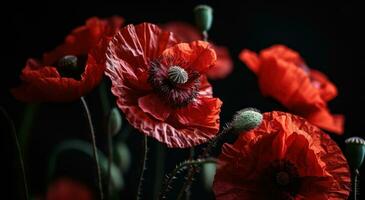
{"type": "Point", "coordinates": [327, 36]}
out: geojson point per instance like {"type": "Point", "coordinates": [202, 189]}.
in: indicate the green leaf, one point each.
{"type": "Point", "coordinates": [78, 145]}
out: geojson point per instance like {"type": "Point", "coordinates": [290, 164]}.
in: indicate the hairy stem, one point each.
{"type": "Point", "coordinates": [95, 154]}
{"type": "Point", "coordinates": [20, 155]}
{"type": "Point", "coordinates": [187, 184]}
{"type": "Point", "coordinates": [144, 161]}
{"type": "Point", "coordinates": [167, 185]}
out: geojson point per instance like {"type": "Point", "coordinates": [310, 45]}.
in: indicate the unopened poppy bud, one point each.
{"type": "Point", "coordinates": [246, 119]}
{"type": "Point", "coordinates": [355, 151]}
{"type": "Point", "coordinates": [203, 17]}
{"type": "Point", "coordinates": [122, 156]}
{"type": "Point", "coordinates": [114, 122]}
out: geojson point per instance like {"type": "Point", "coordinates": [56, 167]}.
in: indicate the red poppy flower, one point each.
{"type": "Point", "coordinates": [160, 85]}
{"type": "Point", "coordinates": [68, 189]}
{"type": "Point", "coordinates": [283, 75]}
{"type": "Point", "coordinates": [284, 158]}
{"type": "Point", "coordinates": [42, 81]}
{"type": "Point", "coordinates": [187, 33]}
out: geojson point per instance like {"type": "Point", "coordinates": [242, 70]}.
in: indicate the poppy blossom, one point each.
{"type": "Point", "coordinates": [187, 33]}
{"type": "Point", "coordinates": [161, 87]}
{"type": "Point", "coordinates": [285, 157]}
{"type": "Point", "coordinates": [72, 69]}
{"type": "Point", "coordinates": [283, 75]}
{"type": "Point", "coordinates": [68, 189]}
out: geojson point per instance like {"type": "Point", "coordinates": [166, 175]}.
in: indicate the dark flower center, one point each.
{"type": "Point", "coordinates": [281, 180]}
{"type": "Point", "coordinates": [71, 66]}
{"type": "Point", "coordinates": [174, 82]}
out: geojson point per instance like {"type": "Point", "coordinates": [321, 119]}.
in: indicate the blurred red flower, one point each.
{"type": "Point", "coordinates": [42, 81]}
{"type": "Point", "coordinates": [187, 33]}
{"type": "Point", "coordinates": [161, 87]}
{"type": "Point", "coordinates": [283, 75]}
{"type": "Point", "coordinates": [284, 158]}
{"type": "Point", "coordinates": [68, 189]}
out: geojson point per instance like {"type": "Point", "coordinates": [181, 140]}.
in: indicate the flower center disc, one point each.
{"type": "Point", "coordinates": [177, 75]}
{"type": "Point", "coordinates": [282, 178]}
{"type": "Point", "coordinates": [71, 66]}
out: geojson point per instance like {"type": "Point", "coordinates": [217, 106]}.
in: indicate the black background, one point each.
{"type": "Point", "coordinates": [327, 36]}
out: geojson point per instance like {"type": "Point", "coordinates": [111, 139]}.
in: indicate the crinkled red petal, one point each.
{"type": "Point", "coordinates": [281, 75]}
{"type": "Point", "coordinates": [129, 56]}
{"type": "Point", "coordinates": [84, 38]}
{"type": "Point", "coordinates": [198, 55]}
{"type": "Point", "coordinates": [188, 33]}
{"type": "Point", "coordinates": [318, 159]}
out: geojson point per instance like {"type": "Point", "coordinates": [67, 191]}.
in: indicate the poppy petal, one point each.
{"type": "Point", "coordinates": [251, 59]}
{"type": "Point", "coordinates": [198, 55]}
{"type": "Point", "coordinates": [315, 159]}
{"type": "Point", "coordinates": [152, 105]}
{"type": "Point", "coordinates": [84, 38]}
{"type": "Point", "coordinates": [204, 113]}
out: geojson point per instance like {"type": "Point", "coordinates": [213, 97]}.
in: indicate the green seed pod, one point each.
{"type": "Point", "coordinates": [355, 151]}
{"type": "Point", "coordinates": [203, 17]}
{"type": "Point", "coordinates": [70, 66]}
{"type": "Point", "coordinates": [246, 119]}
{"type": "Point", "coordinates": [115, 122]}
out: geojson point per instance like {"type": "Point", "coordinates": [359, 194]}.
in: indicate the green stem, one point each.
{"type": "Point", "coordinates": [144, 161]}
{"type": "Point", "coordinates": [20, 155]}
{"type": "Point", "coordinates": [205, 35]}
{"type": "Point", "coordinates": [30, 111]}
{"type": "Point", "coordinates": [187, 184]}
{"type": "Point", "coordinates": [95, 154]}
{"type": "Point", "coordinates": [167, 185]}
{"type": "Point", "coordinates": [356, 184]}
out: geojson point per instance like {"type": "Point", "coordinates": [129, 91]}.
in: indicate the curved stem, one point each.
{"type": "Point", "coordinates": [178, 169]}
{"type": "Point", "coordinates": [95, 154]}
{"type": "Point", "coordinates": [20, 155]}
{"type": "Point", "coordinates": [206, 152]}
{"type": "Point", "coordinates": [139, 187]}
{"type": "Point", "coordinates": [187, 184]}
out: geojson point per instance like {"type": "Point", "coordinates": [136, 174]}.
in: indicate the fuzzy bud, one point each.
{"type": "Point", "coordinates": [246, 119]}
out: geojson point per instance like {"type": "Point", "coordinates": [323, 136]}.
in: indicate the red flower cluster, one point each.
{"type": "Point", "coordinates": [161, 87]}
{"type": "Point", "coordinates": [68, 189]}
{"type": "Point", "coordinates": [42, 81]}
{"type": "Point", "coordinates": [284, 158]}
{"type": "Point", "coordinates": [283, 75]}
{"type": "Point", "coordinates": [187, 33]}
